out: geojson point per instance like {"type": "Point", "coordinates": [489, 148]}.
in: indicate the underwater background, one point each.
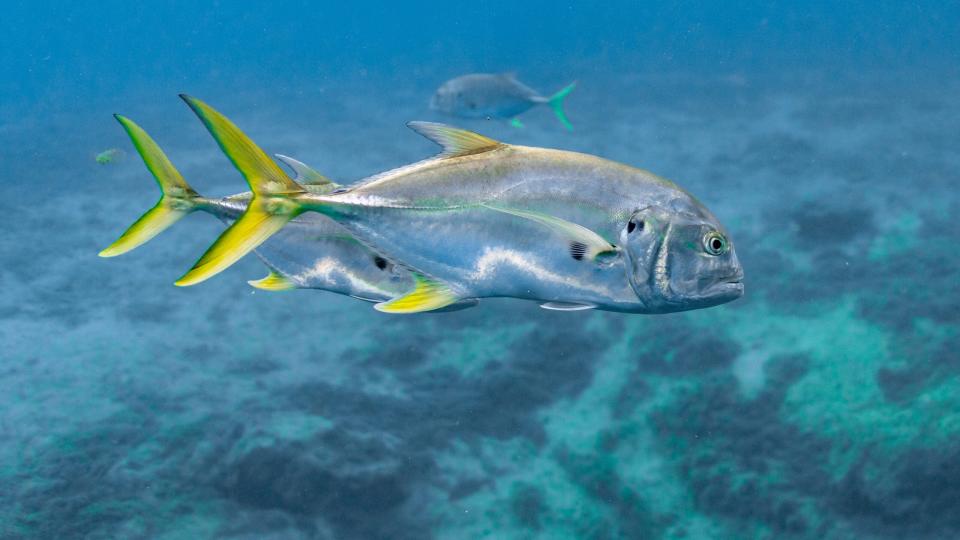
{"type": "Point", "coordinates": [825, 403]}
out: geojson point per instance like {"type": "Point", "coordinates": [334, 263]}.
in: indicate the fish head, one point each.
{"type": "Point", "coordinates": [461, 97]}
{"type": "Point", "coordinates": [680, 258]}
{"type": "Point", "coordinates": [447, 97]}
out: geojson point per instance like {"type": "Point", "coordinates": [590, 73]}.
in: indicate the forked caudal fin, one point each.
{"type": "Point", "coordinates": [177, 198]}
{"type": "Point", "coordinates": [556, 103]}
{"type": "Point", "coordinates": [272, 206]}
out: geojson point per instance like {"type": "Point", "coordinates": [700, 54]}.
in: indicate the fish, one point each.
{"type": "Point", "coordinates": [495, 95]}
{"type": "Point", "coordinates": [487, 219]}
{"type": "Point", "coordinates": [311, 252]}
{"type": "Point", "coordinates": [108, 156]}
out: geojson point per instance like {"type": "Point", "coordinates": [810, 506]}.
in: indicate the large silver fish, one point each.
{"type": "Point", "coordinates": [495, 95]}
{"type": "Point", "coordinates": [487, 219]}
{"type": "Point", "coordinates": [311, 252]}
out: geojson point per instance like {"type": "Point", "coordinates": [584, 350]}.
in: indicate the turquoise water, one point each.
{"type": "Point", "coordinates": [822, 404]}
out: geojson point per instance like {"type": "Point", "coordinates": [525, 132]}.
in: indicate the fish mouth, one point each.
{"type": "Point", "coordinates": [732, 287]}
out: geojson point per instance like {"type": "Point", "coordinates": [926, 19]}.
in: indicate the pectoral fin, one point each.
{"type": "Point", "coordinates": [566, 306]}
{"type": "Point", "coordinates": [427, 295]}
{"type": "Point", "coordinates": [584, 244]}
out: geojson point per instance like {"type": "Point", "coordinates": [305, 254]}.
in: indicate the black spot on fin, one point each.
{"type": "Point", "coordinates": [578, 250]}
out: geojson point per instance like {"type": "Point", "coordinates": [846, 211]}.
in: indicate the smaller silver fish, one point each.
{"type": "Point", "coordinates": [495, 95]}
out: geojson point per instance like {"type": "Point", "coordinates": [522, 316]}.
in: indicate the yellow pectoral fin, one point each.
{"type": "Point", "coordinates": [273, 282]}
{"type": "Point", "coordinates": [150, 224]}
{"type": "Point", "coordinates": [427, 295]}
{"type": "Point", "coordinates": [248, 232]}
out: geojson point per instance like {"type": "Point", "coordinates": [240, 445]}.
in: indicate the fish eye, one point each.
{"type": "Point", "coordinates": [715, 243]}
{"type": "Point", "coordinates": [634, 225]}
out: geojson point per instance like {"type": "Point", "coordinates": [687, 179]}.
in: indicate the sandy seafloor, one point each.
{"type": "Point", "coordinates": [823, 404]}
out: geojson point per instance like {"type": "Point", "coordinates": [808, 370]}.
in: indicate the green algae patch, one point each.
{"type": "Point", "coordinates": [839, 396]}
{"type": "Point", "coordinates": [896, 236]}
{"type": "Point", "coordinates": [590, 479]}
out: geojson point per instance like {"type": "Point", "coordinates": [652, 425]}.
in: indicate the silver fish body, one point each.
{"type": "Point", "coordinates": [441, 217]}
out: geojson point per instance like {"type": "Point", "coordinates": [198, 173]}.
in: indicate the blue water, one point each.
{"type": "Point", "coordinates": [825, 403]}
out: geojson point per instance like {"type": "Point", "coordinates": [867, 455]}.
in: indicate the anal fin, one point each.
{"type": "Point", "coordinates": [427, 295]}
{"type": "Point", "coordinates": [273, 282]}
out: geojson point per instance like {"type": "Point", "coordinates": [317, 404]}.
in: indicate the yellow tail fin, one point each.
{"type": "Point", "coordinates": [177, 197]}
{"type": "Point", "coordinates": [274, 196]}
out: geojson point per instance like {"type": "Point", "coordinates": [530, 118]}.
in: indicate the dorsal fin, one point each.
{"type": "Point", "coordinates": [305, 175]}
{"type": "Point", "coordinates": [455, 141]}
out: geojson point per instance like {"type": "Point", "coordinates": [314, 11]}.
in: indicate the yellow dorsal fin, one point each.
{"type": "Point", "coordinates": [455, 141]}
{"type": "Point", "coordinates": [427, 295]}
{"type": "Point", "coordinates": [273, 282]}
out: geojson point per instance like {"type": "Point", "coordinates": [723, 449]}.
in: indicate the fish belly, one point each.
{"type": "Point", "coordinates": [503, 109]}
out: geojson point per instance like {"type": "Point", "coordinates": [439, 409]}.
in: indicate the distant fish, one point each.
{"type": "Point", "coordinates": [500, 95]}
{"type": "Point", "coordinates": [108, 156]}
